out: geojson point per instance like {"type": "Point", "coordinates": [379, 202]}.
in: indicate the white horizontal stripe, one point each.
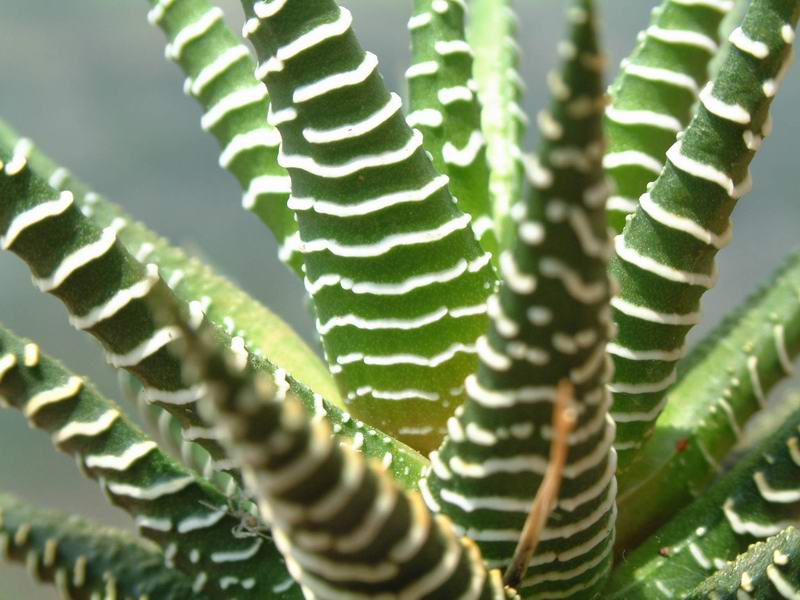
{"type": "Point", "coordinates": [118, 301]}
{"type": "Point", "coordinates": [632, 158]}
{"type": "Point", "coordinates": [361, 73]}
{"type": "Point", "coordinates": [684, 224]}
{"type": "Point", "coordinates": [388, 158]}
{"type": "Point", "coordinates": [81, 257]}
{"type": "Point", "coordinates": [644, 117]}
{"type": "Point", "coordinates": [407, 359]}
{"type": "Point", "coordinates": [388, 243]}
{"type": "Point", "coordinates": [655, 267]}
{"type": "Point", "coordinates": [121, 462]}
{"type": "Point", "coordinates": [233, 101]}
{"type": "Point", "coordinates": [32, 216]}
{"type": "Point", "coordinates": [264, 137]}
{"type": "Point", "coordinates": [648, 314]}
{"type": "Point", "coordinates": [660, 75]}
{"type": "Point", "coordinates": [87, 428]}
{"type": "Point", "coordinates": [698, 169]}
{"type": "Point", "coordinates": [220, 64]}
{"type": "Point", "coordinates": [263, 185]}
{"type": "Point", "coordinates": [683, 36]}
{"type": "Point", "coordinates": [147, 348]}
{"type": "Point", "coordinates": [372, 205]}
{"type": "Point", "coordinates": [154, 492]}
{"type": "Point", "coordinates": [353, 130]}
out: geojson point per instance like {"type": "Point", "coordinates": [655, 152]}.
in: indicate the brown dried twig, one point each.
{"type": "Point", "coordinates": [564, 418]}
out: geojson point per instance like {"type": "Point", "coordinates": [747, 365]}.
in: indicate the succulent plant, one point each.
{"type": "Point", "coordinates": [504, 406]}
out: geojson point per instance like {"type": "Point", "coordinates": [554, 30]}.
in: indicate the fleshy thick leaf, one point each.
{"type": "Point", "coordinates": [443, 104]}
{"type": "Point", "coordinates": [550, 322]}
{"type": "Point", "coordinates": [726, 381]}
{"type": "Point", "coordinates": [85, 560]}
{"type": "Point", "coordinates": [492, 35]}
{"type": "Point", "coordinates": [757, 499]}
{"type": "Point", "coordinates": [664, 259]}
{"type": "Point", "coordinates": [199, 529]}
{"type": "Point", "coordinates": [220, 75]}
{"type": "Point", "coordinates": [654, 94]}
{"type": "Point", "coordinates": [398, 280]}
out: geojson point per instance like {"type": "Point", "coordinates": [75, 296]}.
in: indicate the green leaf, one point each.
{"type": "Point", "coordinates": [767, 570]}
{"type": "Point", "coordinates": [757, 499]}
{"type": "Point", "coordinates": [653, 97]}
{"type": "Point", "coordinates": [550, 322]}
{"type": "Point", "coordinates": [194, 524]}
{"type": "Point", "coordinates": [83, 559]}
{"type": "Point", "coordinates": [346, 529]}
{"type": "Point", "coordinates": [106, 291]}
{"type": "Point", "coordinates": [444, 106]}
{"type": "Point", "coordinates": [492, 33]}
{"type": "Point", "coordinates": [219, 70]}
{"type": "Point", "coordinates": [398, 280]}
{"type": "Point", "coordinates": [664, 259]}
{"type": "Point", "coordinates": [725, 381]}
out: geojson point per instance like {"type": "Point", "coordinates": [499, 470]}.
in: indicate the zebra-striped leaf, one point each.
{"type": "Point", "coordinates": [398, 280]}
{"type": "Point", "coordinates": [549, 322]}
{"type": "Point", "coordinates": [443, 104]}
{"type": "Point", "coordinates": [83, 559]}
{"type": "Point", "coordinates": [664, 259]}
{"type": "Point", "coordinates": [769, 569]}
{"type": "Point", "coordinates": [654, 94]}
{"type": "Point", "coordinates": [220, 75]}
{"type": "Point", "coordinates": [726, 380]}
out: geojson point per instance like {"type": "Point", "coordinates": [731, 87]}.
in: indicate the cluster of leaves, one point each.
{"type": "Point", "coordinates": [472, 309]}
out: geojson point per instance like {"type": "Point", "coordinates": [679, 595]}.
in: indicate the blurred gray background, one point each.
{"type": "Point", "coordinates": [87, 81]}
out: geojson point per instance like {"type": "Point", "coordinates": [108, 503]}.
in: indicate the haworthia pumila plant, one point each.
{"type": "Point", "coordinates": [492, 34]}
{"type": "Point", "coordinates": [400, 224]}
{"type": "Point", "coordinates": [654, 94]}
{"type": "Point", "coordinates": [722, 386]}
{"type": "Point", "coordinates": [758, 499]}
{"type": "Point", "coordinates": [664, 259]}
{"type": "Point", "coordinates": [398, 280]}
{"type": "Point", "coordinates": [196, 526]}
{"type": "Point", "coordinates": [84, 560]}
{"type": "Point", "coordinates": [444, 106]}
{"type": "Point", "coordinates": [346, 529]}
{"type": "Point", "coordinates": [550, 321]}
{"type": "Point", "coordinates": [220, 75]}
{"type": "Point", "coordinates": [769, 569]}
